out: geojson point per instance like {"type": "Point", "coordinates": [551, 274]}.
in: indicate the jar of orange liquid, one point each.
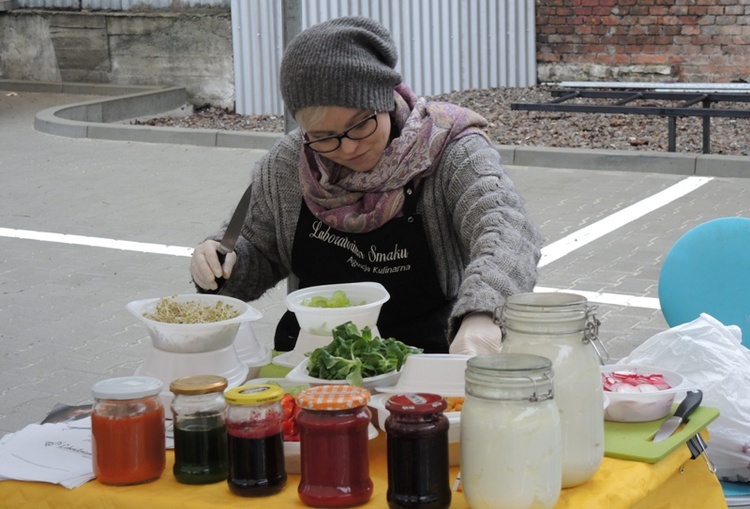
{"type": "Point", "coordinates": [127, 430]}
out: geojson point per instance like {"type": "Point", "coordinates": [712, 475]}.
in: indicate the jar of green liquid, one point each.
{"type": "Point", "coordinates": [200, 432]}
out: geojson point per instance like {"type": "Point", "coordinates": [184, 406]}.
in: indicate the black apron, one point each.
{"type": "Point", "coordinates": [395, 255]}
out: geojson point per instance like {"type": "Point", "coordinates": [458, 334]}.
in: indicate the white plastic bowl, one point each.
{"type": "Point", "coordinates": [377, 403]}
{"type": "Point", "coordinates": [431, 372]}
{"type": "Point", "coordinates": [321, 321]}
{"type": "Point", "coordinates": [299, 375]}
{"type": "Point", "coordinates": [193, 338]}
{"type": "Point", "coordinates": [642, 406]}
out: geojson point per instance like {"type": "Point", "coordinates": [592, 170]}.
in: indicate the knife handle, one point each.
{"type": "Point", "coordinates": [691, 402]}
{"type": "Point", "coordinates": [220, 280]}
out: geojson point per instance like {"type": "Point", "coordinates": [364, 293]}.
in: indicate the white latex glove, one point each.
{"type": "Point", "coordinates": [478, 335]}
{"type": "Point", "coordinates": [205, 266]}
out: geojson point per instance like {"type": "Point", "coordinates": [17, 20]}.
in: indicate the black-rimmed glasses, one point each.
{"type": "Point", "coordinates": [359, 131]}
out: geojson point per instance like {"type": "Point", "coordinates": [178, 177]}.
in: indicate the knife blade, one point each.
{"type": "Point", "coordinates": [686, 407]}
{"type": "Point", "coordinates": [232, 233]}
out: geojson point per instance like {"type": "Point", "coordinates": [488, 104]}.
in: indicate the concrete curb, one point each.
{"type": "Point", "coordinates": [97, 119]}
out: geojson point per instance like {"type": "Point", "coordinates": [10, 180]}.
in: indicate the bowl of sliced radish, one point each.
{"type": "Point", "coordinates": [634, 393]}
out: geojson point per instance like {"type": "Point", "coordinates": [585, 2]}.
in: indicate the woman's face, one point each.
{"type": "Point", "coordinates": [357, 155]}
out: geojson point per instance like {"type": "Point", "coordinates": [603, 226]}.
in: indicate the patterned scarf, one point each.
{"type": "Point", "coordinates": [359, 202]}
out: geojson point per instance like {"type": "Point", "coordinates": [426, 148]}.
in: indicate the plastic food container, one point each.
{"type": "Point", "coordinates": [431, 372]}
{"type": "Point", "coordinates": [642, 406]}
{"type": "Point", "coordinates": [299, 375]}
{"type": "Point", "coordinates": [321, 321]}
{"type": "Point", "coordinates": [198, 337]}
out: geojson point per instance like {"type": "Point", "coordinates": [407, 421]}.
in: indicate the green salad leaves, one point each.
{"type": "Point", "coordinates": [354, 355]}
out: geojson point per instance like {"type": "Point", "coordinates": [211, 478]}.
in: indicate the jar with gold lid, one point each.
{"type": "Point", "coordinates": [200, 432]}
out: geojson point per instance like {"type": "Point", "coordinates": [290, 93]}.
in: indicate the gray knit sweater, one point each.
{"type": "Point", "coordinates": [484, 245]}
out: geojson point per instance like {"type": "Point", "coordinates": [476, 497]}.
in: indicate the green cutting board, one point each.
{"type": "Point", "coordinates": [633, 440]}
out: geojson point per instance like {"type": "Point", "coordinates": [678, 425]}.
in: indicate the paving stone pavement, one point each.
{"type": "Point", "coordinates": [62, 307]}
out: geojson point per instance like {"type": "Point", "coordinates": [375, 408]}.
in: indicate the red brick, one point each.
{"type": "Point", "coordinates": [649, 59]}
{"type": "Point", "coordinates": [658, 11]}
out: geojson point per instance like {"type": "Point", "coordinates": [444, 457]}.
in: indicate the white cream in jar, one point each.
{"type": "Point", "coordinates": [556, 326]}
{"type": "Point", "coordinates": [510, 434]}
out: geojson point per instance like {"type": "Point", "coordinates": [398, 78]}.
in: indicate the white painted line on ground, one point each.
{"type": "Point", "coordinates": [550, 253]}
{"type": "Point", "coordinates": [80, 240]}
{"type": "Point", "coordinates": [614, 299]}
{"type": "Point", "coordinates": [580, 238]}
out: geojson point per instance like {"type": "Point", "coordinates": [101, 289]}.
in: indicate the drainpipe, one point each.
{"type": "Point", "coordinates": [292, 25]}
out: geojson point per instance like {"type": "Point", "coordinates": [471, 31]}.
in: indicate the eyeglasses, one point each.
{"type": "Point", "coordinates": [359, 131]}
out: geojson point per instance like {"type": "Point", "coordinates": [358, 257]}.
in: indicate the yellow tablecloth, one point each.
{"type": "Point", "coordinates": [675, 482]}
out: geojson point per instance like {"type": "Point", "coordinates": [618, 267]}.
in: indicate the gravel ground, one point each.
{"type": "Point", "coordinates": [729, 136]}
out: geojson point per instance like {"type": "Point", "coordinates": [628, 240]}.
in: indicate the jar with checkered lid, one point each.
{"type": "Point", "coordinates": [335, 462]}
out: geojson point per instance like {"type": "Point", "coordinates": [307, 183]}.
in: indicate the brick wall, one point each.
{"type": "Point", "coordinates": [643, 40]}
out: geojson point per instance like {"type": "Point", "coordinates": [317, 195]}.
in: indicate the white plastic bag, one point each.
{"type": "Point", "coordinates": [710, 355]}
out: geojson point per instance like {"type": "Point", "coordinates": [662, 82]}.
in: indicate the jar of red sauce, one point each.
{"type": "Point", "coordinates": [335, 462]}
{"type": "Point", "coordinates": [255, 440]}
{"type": "Point", "coordinates": [417, 444]}
{"type": "Point", "coordinates": [127, 430]}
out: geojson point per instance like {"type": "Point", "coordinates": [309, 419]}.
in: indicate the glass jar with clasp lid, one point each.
{"type": "Point", "coordinates": [563, 328]}
{"type": "Point", "coordinates": [510, 433]}
{"type": "Point", "coordinates": [200, 432]}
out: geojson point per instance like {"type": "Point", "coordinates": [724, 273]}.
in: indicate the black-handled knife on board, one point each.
{"type": "Point", "coordinates": [686, 407]}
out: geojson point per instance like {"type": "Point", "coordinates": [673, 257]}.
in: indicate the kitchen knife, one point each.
{"type": "Point", "coordinates": [691, 402]}
{"type": "Point", "coordinates": [232, 233]}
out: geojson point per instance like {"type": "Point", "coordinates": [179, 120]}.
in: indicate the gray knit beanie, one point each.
{"type": "Point", "coordinates": [347, 62]}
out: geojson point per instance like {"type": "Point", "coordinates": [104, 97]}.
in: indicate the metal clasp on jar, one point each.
{"type": "Point", "coordinates": [591, 335]}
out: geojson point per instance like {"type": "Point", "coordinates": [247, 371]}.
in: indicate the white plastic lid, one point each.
{"type": "Point", "coordinates": [127, 387]}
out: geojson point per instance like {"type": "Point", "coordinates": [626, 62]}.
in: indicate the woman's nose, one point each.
{"type": "Point", "coordinates": [348, 145]}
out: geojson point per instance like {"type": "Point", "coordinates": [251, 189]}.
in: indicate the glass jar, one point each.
{"type": "Point", "coordinates": [200, 432]}
{"type": "Point", "coordinates": [510, 433]}
{"type": "Point", "coordinates": [417, 445]}
{"type": "Point", "coordinates": [335, 462]}
{"type": "Point", "coordinates": [127, 430]}
{"type": "Point", "coordinates": [561, 327]}
{"type": "Point", "coordinates": [255, 443]}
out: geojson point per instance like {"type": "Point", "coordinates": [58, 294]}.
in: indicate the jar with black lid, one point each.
{"type": "Point", "coordinates": [417, 445]}
{"type": "Point", "coordinates": [200, 432]}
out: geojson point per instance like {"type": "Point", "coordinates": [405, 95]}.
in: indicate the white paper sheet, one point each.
{"type": "Point", "coordinates": [53, 453]}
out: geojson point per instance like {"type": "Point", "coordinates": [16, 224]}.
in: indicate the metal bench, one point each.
{"type": "Point", "coordinates": [623, 102]}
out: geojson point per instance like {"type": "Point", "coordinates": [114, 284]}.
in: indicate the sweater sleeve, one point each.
{"type": "Point", "coordinates": [497, 247]}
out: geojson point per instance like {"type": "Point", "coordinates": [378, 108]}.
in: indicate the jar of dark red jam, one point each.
{"type": "Point", "coordinates": [417, 444]}
{"type": "Point", "coordinates": [254, 421]}
{"type": "Point", "coordinates": [127, 430]}
{"type": "Point", "coordinates": [335, 462]}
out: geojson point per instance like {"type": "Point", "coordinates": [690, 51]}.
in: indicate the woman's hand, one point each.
{"type": "Point", "coordinates": [205, 266]}
{"type": "Point", "coordinates": [477, 335]}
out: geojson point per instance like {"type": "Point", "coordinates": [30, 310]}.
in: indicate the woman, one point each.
{"type": "Point", "coordinates": [379, 185]}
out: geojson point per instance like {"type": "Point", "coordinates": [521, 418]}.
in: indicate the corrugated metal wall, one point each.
{"type": "Point", "coordinates": [444, 45]}
{"type": "Point", "coordinates": [118, 5]}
